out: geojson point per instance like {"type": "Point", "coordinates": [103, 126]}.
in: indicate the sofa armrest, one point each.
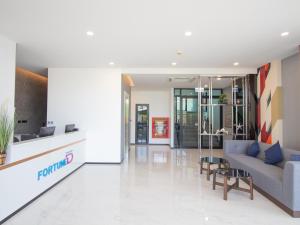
{"type": "Point", "coordinates": [291, 185]}
{"type": "Point", "coordinates": [236, 146]}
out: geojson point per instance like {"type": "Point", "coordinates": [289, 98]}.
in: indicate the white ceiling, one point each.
{"type": "Point", "coordinates": [143, 33]}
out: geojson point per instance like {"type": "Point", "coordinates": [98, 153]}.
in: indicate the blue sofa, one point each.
{"type": "Point", "coordinates": [280, 183]}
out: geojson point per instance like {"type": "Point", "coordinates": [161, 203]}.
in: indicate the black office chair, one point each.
{"type": "Point", "coordinates": [25, 137]}
{"type": "Point", "coordinates": [16, 139]}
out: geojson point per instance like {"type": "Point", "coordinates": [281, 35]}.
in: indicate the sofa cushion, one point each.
{"type": "Point", "coordinates": [274, 154]}
{"type": "Point", "coordinates": [253, 149]}
{"type": "Point", "coordinates": [268, 177]}
{"type": "Point", "coordinates": [295, 157]}
{"type": "Point", "coordinates": [287, 153]}
{"type": "Point", "coordinates": [263, 147]}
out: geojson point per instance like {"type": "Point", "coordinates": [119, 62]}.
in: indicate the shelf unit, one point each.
{"type": "Point", "coordinates": [238, 106]}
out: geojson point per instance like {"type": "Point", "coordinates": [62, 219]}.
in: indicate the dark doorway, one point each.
{"type": "Point", "coordinates": [141, 123]}
{"type": "Point", "coordinates": [186, 118]}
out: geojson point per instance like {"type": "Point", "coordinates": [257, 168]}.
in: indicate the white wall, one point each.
{"type": "Point", "coordinates": [291, 95]}
{"type": "Point", "coordinates": [90, 98]}
{"type": "Point", "coordinates": [7, 73]}
{"type": "Point", "coordinates": [159, 101]}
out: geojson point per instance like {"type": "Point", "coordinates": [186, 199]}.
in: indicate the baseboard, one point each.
{"type": "Point", "coordinates": [103, 163]}
{"type": "Point", "coordinates": [35, 198]}
{"type": "Point", "coordinates": [289, 211]}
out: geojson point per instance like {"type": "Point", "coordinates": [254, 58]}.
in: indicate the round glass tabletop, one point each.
{"type": "Point", "coordinates": [213, 160]}
{"type": "Point", "coordinates": [233, 172]}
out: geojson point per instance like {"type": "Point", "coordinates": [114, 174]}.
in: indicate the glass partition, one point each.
{"type": "Point", "coordinates": [222, 110]}
{"type": "Point", "coordinates": [214, 111]}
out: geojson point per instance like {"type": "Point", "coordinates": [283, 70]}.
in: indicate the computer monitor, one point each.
{"type": "Point", "coordinates": [69, 128]}
{"type": "Point", "coordinates": [46, 131]}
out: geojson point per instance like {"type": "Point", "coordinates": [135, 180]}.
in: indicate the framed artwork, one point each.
{"type": "Point", "coordinates": [160, 127]}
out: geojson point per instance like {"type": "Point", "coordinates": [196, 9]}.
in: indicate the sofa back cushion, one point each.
{"type": "Point", "coordinates": [263, 147]}
{"type": "Point", "coordinates": [286, 152]}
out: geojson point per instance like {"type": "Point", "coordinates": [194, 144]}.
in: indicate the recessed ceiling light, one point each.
{"type": "Point", "coordinates": [111, 63]}
{"type": "Point", "coordinates": [188, 33]}
{"type": "Point", "coordinates": [90, 33]}
{"type": "Point", "coordinates": [205, 85]}
{"type": "Point", "coordinates": [219, 78]}
{"type": "Point", "coordinates": [284, 34]}
{"type": "Point", "coordinates": [179, 52]}
{"type": "Point", "coordinates": [236, 63]}
{"type": "Point", "coordinates": [173, 63]}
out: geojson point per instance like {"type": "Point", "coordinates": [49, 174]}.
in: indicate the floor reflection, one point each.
{"type": "Point", "coordinates": [158, 156]}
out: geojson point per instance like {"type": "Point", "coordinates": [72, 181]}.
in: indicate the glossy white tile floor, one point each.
{"type": "Point", "coordinates": [155, 186]}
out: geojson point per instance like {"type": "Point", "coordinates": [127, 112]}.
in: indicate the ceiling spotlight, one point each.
{"type": "Point", "coordinates": [179, 52]}
{"type": "Point", "coordinates": [205, 86]}
{"type": "Point", "coordinates": [236, 63]}
{"type": "Point", "coordinates": [188, 33]}
{"type": "Point", "coordinates": [90, 33]}
{"type": "Point", "coordinates": [219, 78]}
{"type": "Point", "coordinates": [173, 63]}
{"type": "Point", "coordinates": [284, 34]}
{"type": "Point", "coordinates": [111, 63]}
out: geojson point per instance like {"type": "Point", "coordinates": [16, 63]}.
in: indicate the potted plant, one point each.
{"type": "Point", "coordinates": [223, 99]}
{"type": "Point", "coordinates": [6, 130]}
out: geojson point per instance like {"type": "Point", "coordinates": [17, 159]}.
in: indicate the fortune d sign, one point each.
{"type": "Point", "coordinates": [55, 166]}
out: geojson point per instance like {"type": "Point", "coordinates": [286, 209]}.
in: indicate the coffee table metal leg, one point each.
{"type": "Point", "coordinates": [201, 166]}
{"type": "Point", "coordinates": [251, 187]}
{"type": "Point", "coordinates": [225, 187]}
{"type": "Point", "coordinates": [237, 182]}
{"type": "Point", "coordinates": [208, 172]}
{"type": "Point", "coordinates": [214, 180]}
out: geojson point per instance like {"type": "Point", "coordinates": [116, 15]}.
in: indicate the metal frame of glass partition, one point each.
{"type": "Point", "coordinates": [239, 108]}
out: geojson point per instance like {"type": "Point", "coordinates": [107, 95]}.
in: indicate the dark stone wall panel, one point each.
{"type": "Point", "coordinates": [30, 103]}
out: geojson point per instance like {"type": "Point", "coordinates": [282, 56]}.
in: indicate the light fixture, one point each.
{"type": "Point", "coordinates": [173, 63]}
{"type": "Point", "coordinates": [284, 34]}
{"type": "Point", "coordinates": [179, 52]}
{"type": "Point", "coordinates": [205, 86]}
{"type": "Point", "coordinates": [236, 63]}
{"type": "Point", "coordinates": [219, 78]}
{"type": "Point", "coordinates": [90, 33]}
{"type": "Point", "coordinates": [188, 33]}
{"type": "Point", "coordinates": [111, 63]}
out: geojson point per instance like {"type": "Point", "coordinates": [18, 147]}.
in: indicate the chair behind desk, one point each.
{"type": "Point", "coordinates": [25, 137]}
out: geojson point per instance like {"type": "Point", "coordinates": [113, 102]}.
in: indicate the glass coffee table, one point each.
{"type": "Point", "coordinates": [212, 161]}
{"type": "Point", "coordinates": [233, 173]}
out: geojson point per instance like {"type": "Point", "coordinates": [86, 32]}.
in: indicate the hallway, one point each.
{"type": "Point", "coordinates": [156, 185]}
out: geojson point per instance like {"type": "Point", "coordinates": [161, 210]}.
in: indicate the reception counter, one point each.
{"type": "Point", "coordinates": [34, 166]}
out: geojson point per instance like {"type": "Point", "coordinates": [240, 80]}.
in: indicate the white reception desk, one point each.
{"type": "Point", "coordinates": [34, 166]}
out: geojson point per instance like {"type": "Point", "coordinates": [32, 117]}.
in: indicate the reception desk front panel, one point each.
{"type": "Point", "coordinates": [43, 163]}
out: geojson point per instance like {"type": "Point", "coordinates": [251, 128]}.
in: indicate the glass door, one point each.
{"type": "Point", "coordinates": [142, 124]}
{"type": "Point", "coordinates": [186, 118]}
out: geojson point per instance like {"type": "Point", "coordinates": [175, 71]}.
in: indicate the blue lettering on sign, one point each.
{"type": "Point", "coordinates": [55, 166]}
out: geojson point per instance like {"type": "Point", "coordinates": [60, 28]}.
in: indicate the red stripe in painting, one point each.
{"type": "Point", "coordinates": [265, 136]}
{"type": "Point", "coordinates": [263, 72]}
